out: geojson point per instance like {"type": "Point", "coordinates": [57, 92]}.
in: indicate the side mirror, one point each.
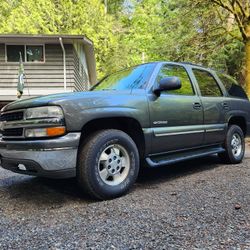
{"type": "Point", "coordinates": [168, 83]}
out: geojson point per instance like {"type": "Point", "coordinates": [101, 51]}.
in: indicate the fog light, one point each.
{"type": "Point", "coordinates": [44, 132]}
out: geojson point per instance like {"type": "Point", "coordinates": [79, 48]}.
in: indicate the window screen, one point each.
{"type": "Point", "coordinates": [13, 52]}
{"type": "Point", "coordinates": [34, 53]}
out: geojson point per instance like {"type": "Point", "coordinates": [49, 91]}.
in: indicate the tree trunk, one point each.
{"type": "Point", "coordinates": [247, 79]}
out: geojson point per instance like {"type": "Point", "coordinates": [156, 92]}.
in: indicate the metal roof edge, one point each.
{"type": "Point", "coordinates": [48, 36]}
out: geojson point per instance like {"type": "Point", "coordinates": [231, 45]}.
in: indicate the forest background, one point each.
{"type": "Point", "coordinates": [213, 33]}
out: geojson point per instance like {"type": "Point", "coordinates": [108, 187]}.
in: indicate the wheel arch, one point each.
{"type": "Point", "coordinates": [239, 121]}
{"type": "Point", "coordinates": [129, 125]}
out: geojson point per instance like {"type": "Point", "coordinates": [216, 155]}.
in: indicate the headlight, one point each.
{"type": "Point", "coordinates": [44, 112]}
{"type": "Point", "coordinates": [48, 122]}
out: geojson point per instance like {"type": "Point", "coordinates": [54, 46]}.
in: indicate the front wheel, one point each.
{"type": "Point", "coordinates": [234, 145]}
{"type": "Point", "coordinates": [108, 164]}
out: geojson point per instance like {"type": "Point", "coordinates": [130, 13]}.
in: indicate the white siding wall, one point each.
{"type": "Point", "coordinates": [42, 78]}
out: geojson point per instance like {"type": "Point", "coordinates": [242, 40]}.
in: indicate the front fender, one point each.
{"type": "Point", "coordinates": [80, 112]}
{"type": "Point", "coordinates": [88, 115]}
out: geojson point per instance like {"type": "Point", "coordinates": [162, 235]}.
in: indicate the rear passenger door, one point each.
{"type": "Point", "coordinates": [214, 105]}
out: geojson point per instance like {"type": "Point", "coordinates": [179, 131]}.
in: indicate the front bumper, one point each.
{"type": "Point", "coordinates": [53, 158]}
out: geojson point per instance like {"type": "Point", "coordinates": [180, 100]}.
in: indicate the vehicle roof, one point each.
{"type": "Point", "coordinates": [181, 63]}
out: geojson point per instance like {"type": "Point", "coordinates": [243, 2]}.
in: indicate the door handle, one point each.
{"type": "Point", "coordinates": [225, 106]}
{"type": "Point", "coordinates": [197, 105]}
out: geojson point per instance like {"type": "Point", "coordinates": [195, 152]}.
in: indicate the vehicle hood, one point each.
{"type": "Point", "coordinates": [87, 99]}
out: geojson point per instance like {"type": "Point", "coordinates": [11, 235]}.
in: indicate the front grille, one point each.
{"type": "Point", "coordinates": [13, 132]}
{"type": "Point", "coordinates": [13, 116]}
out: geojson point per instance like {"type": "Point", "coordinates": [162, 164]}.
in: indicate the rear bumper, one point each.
{"type": "Point", "coordinates": [54, 158]}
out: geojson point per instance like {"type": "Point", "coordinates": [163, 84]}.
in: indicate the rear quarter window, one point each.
{"type": "Point", "coordinates": [232, 87]}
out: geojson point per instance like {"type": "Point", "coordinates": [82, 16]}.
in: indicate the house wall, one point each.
{"type": "Point", "coordinates": [80, 72]}
{"type": "Point", "coordinates": [42, 78]}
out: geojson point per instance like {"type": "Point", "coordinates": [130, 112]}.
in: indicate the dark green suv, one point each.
{"type": "Point", "coordinates": [159, 113]}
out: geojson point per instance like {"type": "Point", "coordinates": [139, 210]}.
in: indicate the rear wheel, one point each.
{"type": "Point", "coordinates": [108, 164]}
{"type": "Point", "coordinates": [234, 145]}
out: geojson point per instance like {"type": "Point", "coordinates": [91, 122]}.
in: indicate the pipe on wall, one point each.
{"type": "Point", "coordinates": [64, 65]}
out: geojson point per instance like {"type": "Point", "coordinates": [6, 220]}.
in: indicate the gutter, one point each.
{"type": "Point", "coordinates": [87, 41]}
{"type": "Point", "coordinates": [64, 64]}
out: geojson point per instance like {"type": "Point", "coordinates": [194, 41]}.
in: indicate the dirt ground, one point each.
{"type": "Point", "coordinates": [198, 204]}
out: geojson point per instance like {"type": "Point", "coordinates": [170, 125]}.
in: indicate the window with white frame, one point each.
{"type": "Point", "coordinates": [29, 53]}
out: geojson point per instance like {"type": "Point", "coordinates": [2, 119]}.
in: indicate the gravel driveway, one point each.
{"type": "Point", "coordinates": [199, 204]}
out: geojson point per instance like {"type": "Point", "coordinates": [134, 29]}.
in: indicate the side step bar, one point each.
{"type": "Point", "coordinates": [157, 161]}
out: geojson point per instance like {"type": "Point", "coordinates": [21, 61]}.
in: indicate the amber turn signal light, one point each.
{"type": "Point", "coordinates": [56, 131]}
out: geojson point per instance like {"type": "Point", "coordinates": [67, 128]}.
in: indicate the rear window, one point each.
{"type": "Point", "coordinates": [232, 87]}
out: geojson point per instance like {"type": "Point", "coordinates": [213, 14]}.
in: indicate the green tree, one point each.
{"type": "Point", "coordinates": [63, 17]}
{"type": "Point", "coordinates": [179, 31]}
{"type": "Point", "coordinates": [239, 11]}
{"type": "Point", "coordinates": [127, 32]}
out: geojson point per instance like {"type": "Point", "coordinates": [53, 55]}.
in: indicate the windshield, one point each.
{"type": "Point", "coordinates": [131, 78]}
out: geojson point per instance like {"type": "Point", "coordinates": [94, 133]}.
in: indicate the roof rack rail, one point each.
{"type": "Point", "coordinates": [194, 64]}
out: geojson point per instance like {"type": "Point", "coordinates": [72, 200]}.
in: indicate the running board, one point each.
{"type": "Point", "coordinates": [157, 161]}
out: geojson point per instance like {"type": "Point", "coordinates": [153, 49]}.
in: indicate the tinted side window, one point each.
{"type": "Point", "coordinates": [179, 71]}
{"type": "Point", "coordinates": [208, 85]}
{"type": "Point", "coordinates": [232, 86]}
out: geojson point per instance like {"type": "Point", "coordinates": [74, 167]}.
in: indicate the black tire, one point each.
{"type": "Point", "coordinates": [230, 156]}
{"type": "Point", "coordinates": [90, 165]}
